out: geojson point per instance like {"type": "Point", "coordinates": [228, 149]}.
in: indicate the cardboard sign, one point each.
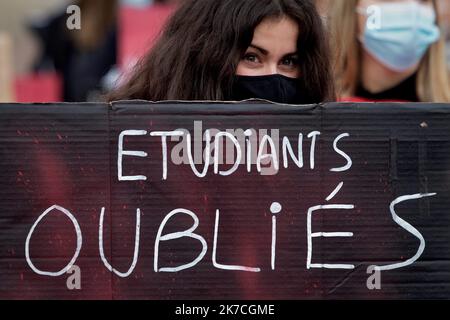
{"type": "Point", "coordinates": [139, 200]}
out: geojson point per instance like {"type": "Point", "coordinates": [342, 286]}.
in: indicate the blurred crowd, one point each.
{"type": "Point", "coordinates": [81, 65]}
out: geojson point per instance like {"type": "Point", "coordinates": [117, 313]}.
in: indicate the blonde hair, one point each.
{"type": "Point", "coordinates": [433, 82]}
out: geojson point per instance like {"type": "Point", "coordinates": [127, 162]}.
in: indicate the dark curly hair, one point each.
{"type": "Point", "coordinates": [200, 47]}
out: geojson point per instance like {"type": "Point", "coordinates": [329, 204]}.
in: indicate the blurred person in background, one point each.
{"type": "Point", "coordinates": [389, 51]}
{"type": "Point", "coordinates": [234, 50]}
{"type": "Point", "coordinates": [84, 56]}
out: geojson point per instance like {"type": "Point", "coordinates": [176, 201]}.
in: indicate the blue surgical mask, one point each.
{"type": "Point", "coordinates": [399, 34]}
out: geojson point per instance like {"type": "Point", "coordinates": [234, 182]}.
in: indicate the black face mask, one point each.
{"type": "Point", "coordinates": [276, 88]}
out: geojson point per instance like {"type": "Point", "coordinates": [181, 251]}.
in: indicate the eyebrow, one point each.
{"type": "Point", "coordinates": [265, 52]}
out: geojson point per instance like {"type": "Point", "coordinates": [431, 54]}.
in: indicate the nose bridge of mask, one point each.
{"type": "Point", "coordinates": [275, 87]}
{"type": "Point", "coordinates": [399, 15]}
{"type": "Point", "coordinates": [406, 20]}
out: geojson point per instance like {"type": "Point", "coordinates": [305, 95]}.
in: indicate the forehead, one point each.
{"type": "Point", "coordinates": [277, 34]}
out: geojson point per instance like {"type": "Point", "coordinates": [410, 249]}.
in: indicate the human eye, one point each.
{"type": "Point", "coordinates": [290, 62]}
{"type": "Point", "coordinates": [252, 58]}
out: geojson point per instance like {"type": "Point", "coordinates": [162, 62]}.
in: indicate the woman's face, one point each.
{"type": "Point", "coordinates": [273, 49]}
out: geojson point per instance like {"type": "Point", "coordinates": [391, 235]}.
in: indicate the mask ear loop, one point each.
{"type": "Point", "coordinates": [423, 11]}
{"type": "Point", "coordinates": [427, 12]}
